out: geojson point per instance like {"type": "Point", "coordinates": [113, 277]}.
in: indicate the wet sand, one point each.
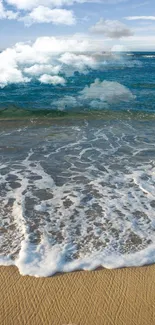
{"type": "Point", "coordinates": [102, 297]}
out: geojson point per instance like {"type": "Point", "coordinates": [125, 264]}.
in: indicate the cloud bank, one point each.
{"type": "Point", "coordinates": [47, 56]}
{"type": "Point", "coordinates": [52, 60]}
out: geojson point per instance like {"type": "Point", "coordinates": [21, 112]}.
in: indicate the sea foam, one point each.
{"type": "Point", "coordinates": [77, 196]}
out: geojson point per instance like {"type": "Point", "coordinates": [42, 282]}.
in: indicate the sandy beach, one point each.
{"type": "Point", "coordinates": [102, 297]}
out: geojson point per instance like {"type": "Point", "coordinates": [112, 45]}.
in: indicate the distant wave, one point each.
{"type": "Point", "coordinates": [149, 56]}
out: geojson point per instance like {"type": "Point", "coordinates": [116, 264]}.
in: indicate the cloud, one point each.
{"type": "Point", "coordinates": [53, 45]}
{"type": "Point", "coordinates": [111, 28]}
{"type": "Point", "coordinates": [12, 76]}
{"type": "Point", "coordinates": [2, 11]}
{"type": "Point", "coordinates": [51, 59]}
{"type": "Point", "coordinates": [41, 57]}
{"type": "Point", "coordinates": [43, 14]}
{"type": "Point", "coordinates": [30, 4]}
{"type": "Point", "coordinates": [7, 14]}
{"type": "Point", "coordinates": [44, 11]}
{"type": "Point", "coordinates": [53, 80]}
{"type": "Point", "coordinates": [106, 91]}
{"type": "Point", "coordinates": [140, 18]}
{"type": "Point", "coordinates": [66, 102]}
{"type": "Point", "coordinates": [37, 69]}
{"type": "Point", "coordinates": [77, 62]}
{"type": "Point", "coordinates": [99, 95]}
{"type": "Point", "coordinates": [43, 50]}
{"type": "Point", "coordinates": [9, 71]}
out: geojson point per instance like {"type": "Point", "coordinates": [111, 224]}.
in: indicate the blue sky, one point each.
{"type": "Point", "coordinates": [22, 21]}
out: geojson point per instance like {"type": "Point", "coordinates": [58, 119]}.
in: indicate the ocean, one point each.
{"type": "Point", "coordinates": [77, 169]}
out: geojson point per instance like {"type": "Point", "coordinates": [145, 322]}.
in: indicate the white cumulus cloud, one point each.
{"type": "Point", "coordinates": [54, 45]}
{"type": "Point", "coordinates": [7, 14]}
{"type": "Point", "coordinates": [53, 80]}
{"type": "Point", "coordinates": [111, 28]}
{"type": "Point", "coordinates": [11, 75]}
{"type": "Point", "coordinates": [9, 70]}
{"type": "Point", "coordinates": [38, 58]}
{"type": "Point", "coordinates": [106, 91]}
{"type": "Point", "coordinates": [43, 14]}
{"type": "Point", "coordinates": [77, 62]}
{"type": "Point", "coordinates": [38, 69]}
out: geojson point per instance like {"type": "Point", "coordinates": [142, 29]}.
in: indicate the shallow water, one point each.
{"type": "Point", "coordinates": [77, 193]}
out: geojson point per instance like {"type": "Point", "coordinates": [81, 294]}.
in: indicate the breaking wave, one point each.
{"type": "Point", "coordinates": [77, 194]}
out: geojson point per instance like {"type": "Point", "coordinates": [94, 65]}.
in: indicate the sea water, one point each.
{"type": "Point", "coordinates": [77, 170]}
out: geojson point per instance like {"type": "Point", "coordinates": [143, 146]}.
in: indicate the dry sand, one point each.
{"type": "Point", "coordinates": [117, 297]}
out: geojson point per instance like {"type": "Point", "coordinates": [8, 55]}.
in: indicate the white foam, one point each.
{"type": "Point", "coordinates": [43, 261]}
{"type": "Point", "coordinates": [84, 198]}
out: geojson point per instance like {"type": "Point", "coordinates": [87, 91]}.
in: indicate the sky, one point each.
{"type": "Point", "coordinates": [107, 24]}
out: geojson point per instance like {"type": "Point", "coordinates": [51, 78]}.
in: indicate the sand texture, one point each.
{"type": "Point", "coordinates": [104, 297]}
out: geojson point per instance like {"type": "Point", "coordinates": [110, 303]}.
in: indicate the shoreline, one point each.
{"type": "Point", "coordinates": [55, 115]}
{"type": "Point", "coordinates": [103, 297]}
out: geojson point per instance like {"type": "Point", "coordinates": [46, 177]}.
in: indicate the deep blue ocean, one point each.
{"type": "Point", "coordinates": [132, 70]}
